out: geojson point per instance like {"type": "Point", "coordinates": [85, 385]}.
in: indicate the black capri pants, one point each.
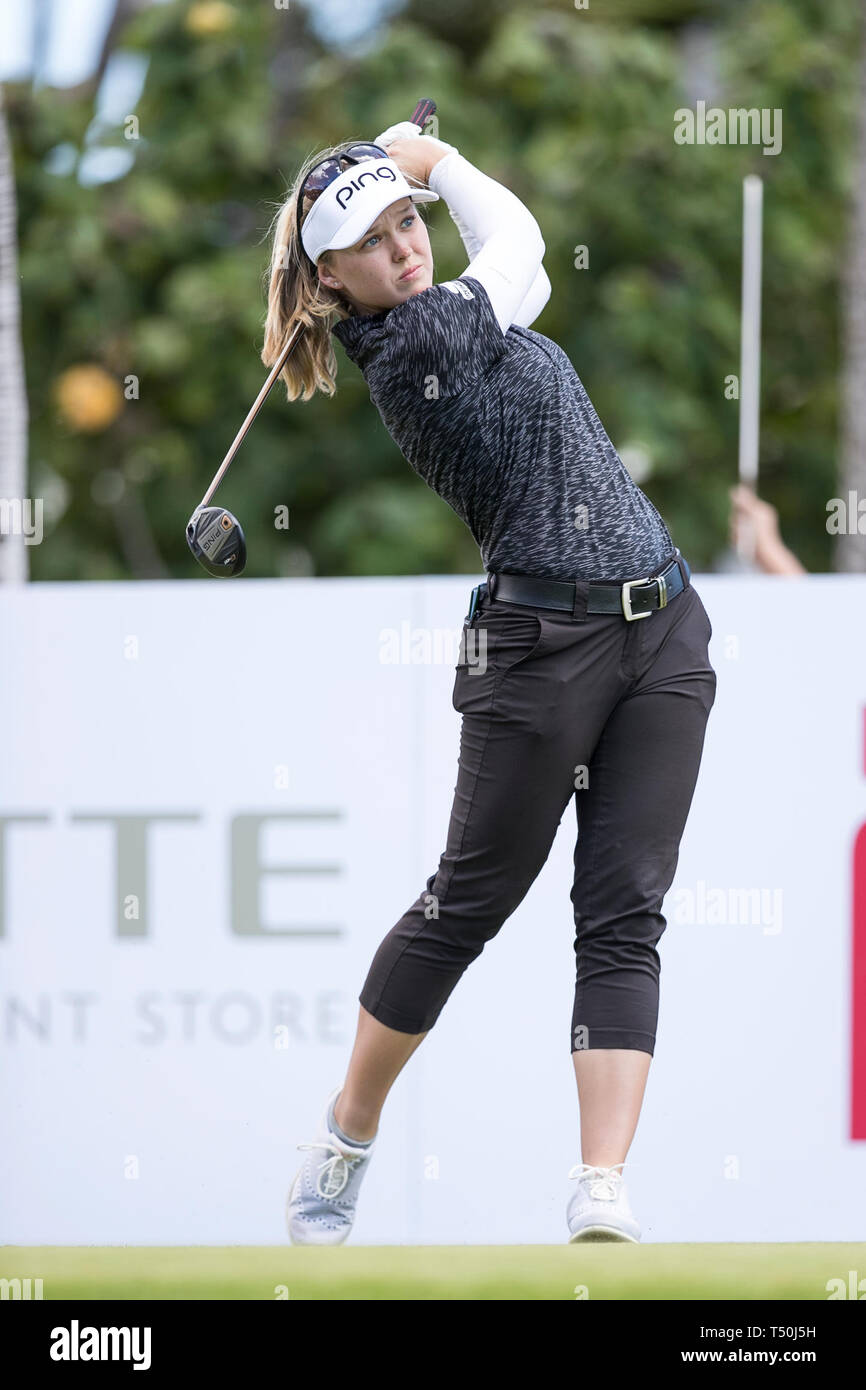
{"type": "Point", "coordinates": [559, 705]}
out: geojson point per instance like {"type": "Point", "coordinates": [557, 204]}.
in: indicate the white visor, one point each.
{"type": "Point", "coordinates": [341, 215]}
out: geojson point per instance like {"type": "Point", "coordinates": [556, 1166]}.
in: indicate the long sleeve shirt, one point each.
{"type": "Point", "coordinates": [494, 218]}
{"type": "Point", "coordinates": [492, 415]}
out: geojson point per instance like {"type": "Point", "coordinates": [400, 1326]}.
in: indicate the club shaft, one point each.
{"type": "Point", "coordinates": [423, 111]}
{"type": "Point", "coordinates": [254, 410]}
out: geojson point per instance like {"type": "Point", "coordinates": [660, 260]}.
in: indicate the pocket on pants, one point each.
{"type": "Point", "coordinates": [705, 615]}
{"type": "Point", "coordinates": [501, 638]}
{"type": "Point", "coordinates": [702, 630]}
{"type": "Point", "coordinates": [516, 632]}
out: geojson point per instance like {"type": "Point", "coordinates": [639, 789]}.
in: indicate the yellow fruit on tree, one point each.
{"type": "Point", "coordinates": [88, 398]}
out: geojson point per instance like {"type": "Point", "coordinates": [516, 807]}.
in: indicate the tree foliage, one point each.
{"type": "Point", "coordinates": [153, 281]}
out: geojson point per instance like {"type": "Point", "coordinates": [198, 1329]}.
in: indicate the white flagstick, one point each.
{"type": "Point", "coordinates": [750, 348]}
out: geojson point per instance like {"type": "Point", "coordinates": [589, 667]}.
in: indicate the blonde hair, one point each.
{"type": "Point", "coordinates": [297, 295]}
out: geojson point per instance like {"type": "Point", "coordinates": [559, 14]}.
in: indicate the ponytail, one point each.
{"type": "Point", "coordinates": [297, 295]}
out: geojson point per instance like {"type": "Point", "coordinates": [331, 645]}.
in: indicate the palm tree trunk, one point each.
{"type": "Point", "coordinates": [14, 565]}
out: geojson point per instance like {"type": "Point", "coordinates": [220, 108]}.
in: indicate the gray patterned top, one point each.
{"type": "Point", "coordinates": [500, 426]}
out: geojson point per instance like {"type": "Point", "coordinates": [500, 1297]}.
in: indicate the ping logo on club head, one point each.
{"type": "Point", "coordinates": [211, 539]}
{"type": "Point", "coordinates": [380, 171]}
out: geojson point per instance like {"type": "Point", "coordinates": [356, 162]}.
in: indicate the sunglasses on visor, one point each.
{"type": "Point", "coordinates": [324, 173]}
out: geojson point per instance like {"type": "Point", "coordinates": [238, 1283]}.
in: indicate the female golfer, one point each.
{"type": "Point", "coordinates": [583, 669]}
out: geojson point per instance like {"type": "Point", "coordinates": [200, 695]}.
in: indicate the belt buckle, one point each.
{"type": "Point", "coordinates": [626, 598]}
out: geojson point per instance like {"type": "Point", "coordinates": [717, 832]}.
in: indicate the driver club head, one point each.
{"type": "Point", "coordinates": [216, 539]}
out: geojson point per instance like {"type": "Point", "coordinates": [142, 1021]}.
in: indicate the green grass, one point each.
{"type": "Point", "coordinates": [607, 1271]}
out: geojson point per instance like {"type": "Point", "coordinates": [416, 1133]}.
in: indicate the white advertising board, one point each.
{"type": "Point", "coordinates": [217, 798]}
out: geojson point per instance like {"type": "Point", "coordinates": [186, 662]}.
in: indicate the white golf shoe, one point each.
{"type": "Point", "coordinates": [599, 1208]}
{"type": "Point", "coordinates": [321, 1204]}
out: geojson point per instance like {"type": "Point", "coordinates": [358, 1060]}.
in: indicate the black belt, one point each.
{"type": "Point", "coordinates": [636, 598]}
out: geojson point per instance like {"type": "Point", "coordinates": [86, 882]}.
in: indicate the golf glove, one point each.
{"type": "Point", "coordinates": [404, 130]}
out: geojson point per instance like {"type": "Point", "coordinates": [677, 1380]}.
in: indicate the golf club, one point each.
{"type": "Point", "coordinates": [213, 534]}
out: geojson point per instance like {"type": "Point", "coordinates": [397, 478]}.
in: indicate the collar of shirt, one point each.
{"type": "Point", "coordinates": [361, 334]}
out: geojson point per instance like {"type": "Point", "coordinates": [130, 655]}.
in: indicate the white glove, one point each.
{"type": "Point", "coordinates": [404, 130]}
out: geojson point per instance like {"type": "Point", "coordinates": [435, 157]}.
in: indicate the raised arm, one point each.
{"type": "Point", "coordinates": [501, 237]}
{"type": "Point", "coordinates": [539, 291]}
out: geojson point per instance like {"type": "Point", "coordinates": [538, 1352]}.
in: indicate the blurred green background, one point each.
{"type": "Point", "coordinates": [157, 273]}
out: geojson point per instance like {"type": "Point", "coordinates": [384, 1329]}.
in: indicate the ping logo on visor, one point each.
{"type": "Point", "coordinates": [382, 172]}
{"type": "Point", "coordinates": [348, 201]}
